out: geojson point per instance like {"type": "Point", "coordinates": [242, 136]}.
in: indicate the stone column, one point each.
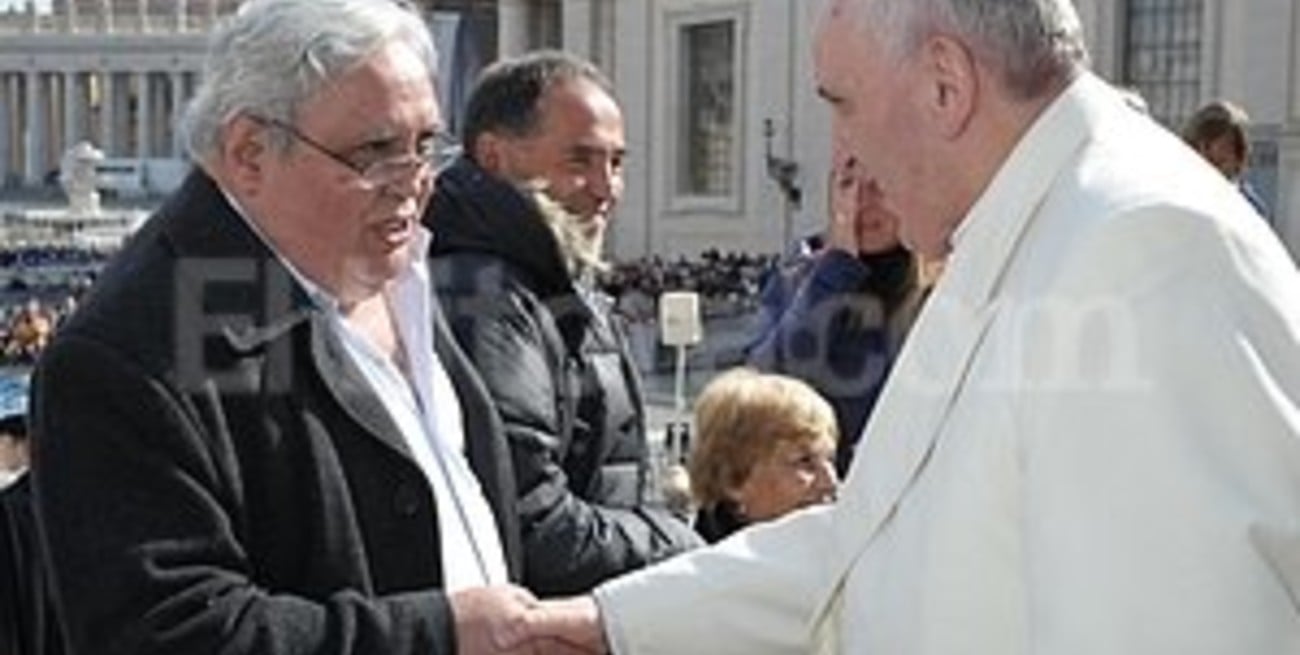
{"type": "Point", "coordinates": [122, 125]}
{"type": "Point", "coordinates": [19, 127]}
{"type": "Point", "coordinates": [177, 109]}
{"type": "Point", "coordinates": [107, 114]}
{"type": "Point", "coordinates": [71, 16]}
{"type": "Point", "coordinates": [73, 109]}
{"type": "Point", "coordinates": [34, 131]}
{"type": "Point", "coordinates": [143, 117]}
{"type": "Point", "coordinates": [512, 27]}
{"type": "Point", "coordinates": [106, 16]}
{"type": "Point", "coordinates": [7, 114]}
{"type": "Point", "coordinates": [603, 25]}
{"type": "Point", "coordinates": [181, 11]}
{"type": "Point", "coordinates": [577, 33]}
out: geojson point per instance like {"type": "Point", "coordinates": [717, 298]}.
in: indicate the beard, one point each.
{"type": "Point", "coordinates": [580, 239]}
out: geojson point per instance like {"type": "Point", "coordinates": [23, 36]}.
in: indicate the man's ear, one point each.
{"type": "Point", "coordinates": [244, 153]}
{"type": "Point", "coordinates": [954, 84]}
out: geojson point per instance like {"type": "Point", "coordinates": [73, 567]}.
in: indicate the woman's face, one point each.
{"type": "Point", "coordinates": [859, 199]}
{"type": "Point", "coordinates": [1224, 153]}
{"type": "Point", "coordinates": [795, 474]}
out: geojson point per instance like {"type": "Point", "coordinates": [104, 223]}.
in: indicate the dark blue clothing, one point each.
{"type": "Point", "coordinates": [825, 319]}
{"type": "Point", "coordinates": [1253, 197]}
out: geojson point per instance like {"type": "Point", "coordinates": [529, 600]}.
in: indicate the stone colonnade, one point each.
{"type": "Point", "coordinates": [125, 113]}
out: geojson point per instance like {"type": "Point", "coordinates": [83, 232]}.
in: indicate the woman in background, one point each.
{"type": "Point", "coordinates": [765, 447]}
{"type": "Point", "coordinates": [836, 315]}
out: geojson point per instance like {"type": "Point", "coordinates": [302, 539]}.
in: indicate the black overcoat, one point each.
{"type": "Point", "coordinates": [214, 475]}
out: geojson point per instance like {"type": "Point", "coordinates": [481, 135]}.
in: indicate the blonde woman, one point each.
{"type": "Point", "coordinates": [765, 447]}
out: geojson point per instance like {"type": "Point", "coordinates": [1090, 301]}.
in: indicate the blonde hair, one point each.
{"type": "Point", "coordinates": [740, 417]}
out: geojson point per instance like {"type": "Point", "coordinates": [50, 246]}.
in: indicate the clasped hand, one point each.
{"type": "Point", "coordinates": [507, 620]}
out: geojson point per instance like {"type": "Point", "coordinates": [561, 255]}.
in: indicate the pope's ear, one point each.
{"type": "Point", "coordinates": [953, 87]}
{"type": "Point", "coordinates": [244, 151]}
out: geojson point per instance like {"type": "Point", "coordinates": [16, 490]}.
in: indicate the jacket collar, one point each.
{"type": "Point", "coordinates": [349, 387]}
{"type": "Point", "coordinates": [219, 245]}
{"type": "Point", "coordinates": [475, 211]}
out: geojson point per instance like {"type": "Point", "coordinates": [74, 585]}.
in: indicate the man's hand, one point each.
{"type": "Point", "coordinates": [507, 620]}
{"type": "Point", "coordinates": [571, 623]}
{"type": "Point", "coordinates": [491, 620]}
{"type": "Point", "coordinates": [842, 228]}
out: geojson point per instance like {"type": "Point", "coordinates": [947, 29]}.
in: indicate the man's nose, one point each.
{"type": "Point", "coordinates": [605, 182]}
{"type": "Point", "coordinates": [414, 184]}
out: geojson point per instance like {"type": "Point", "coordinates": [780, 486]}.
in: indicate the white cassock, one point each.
{"type": "Point", "coordinates": [1089, 445]}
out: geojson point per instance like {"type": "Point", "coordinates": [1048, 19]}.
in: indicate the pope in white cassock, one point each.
{"type": "Point", "coordinates": [1091, 442]}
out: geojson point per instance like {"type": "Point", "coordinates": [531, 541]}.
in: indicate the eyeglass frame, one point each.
{"type": "Point", "coordinates": [443, 150]}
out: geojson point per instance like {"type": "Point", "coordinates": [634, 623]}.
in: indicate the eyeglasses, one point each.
{"type": "Point", "coordinates": [432, 154]}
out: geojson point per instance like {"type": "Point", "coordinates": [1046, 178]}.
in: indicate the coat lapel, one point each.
{"type": "Point", "coordinates": [914, 408]}
{"type": "Point", "coordinates": [349, 387]}
{"type": "Point", "coordinates": [267, 304]}
{"type": "Point", "coordinates": [485, 444]}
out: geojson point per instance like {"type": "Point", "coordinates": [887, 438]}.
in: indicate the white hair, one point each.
{"type": "Point", "coordinates": [271, 56]}
{"type": "Point", "coordinates": [1035, 44]}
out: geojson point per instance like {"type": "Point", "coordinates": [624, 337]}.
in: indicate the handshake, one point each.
{"type": "Point", "coordinates": [508, 620]}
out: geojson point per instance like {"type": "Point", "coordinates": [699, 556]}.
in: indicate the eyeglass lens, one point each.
{"type": "Point", "coordinates": [439, 152]}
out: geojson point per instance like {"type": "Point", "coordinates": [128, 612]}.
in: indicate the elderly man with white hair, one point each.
{"type": "Point", "coordinates": [257, 434]}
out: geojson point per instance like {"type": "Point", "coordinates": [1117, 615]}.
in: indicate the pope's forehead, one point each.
{"type": "Point", "coordinates": [840, 10]}
{"type": "Point", "coordinates": [841, 22]}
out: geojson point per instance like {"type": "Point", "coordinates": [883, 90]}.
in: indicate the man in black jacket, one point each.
{"type": "Point", "coordinates": [518, 226]}
{"type": "Point", "coordinates": [256, 435]}
{"type": "Point", "coordinates": [28, 623]}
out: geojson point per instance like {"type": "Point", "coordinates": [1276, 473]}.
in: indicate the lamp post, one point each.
{"type": "Point", "coordinates": [785, 172]}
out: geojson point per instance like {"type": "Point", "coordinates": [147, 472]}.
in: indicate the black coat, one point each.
{"type": "Point", "coordinates": [557, 365]}
{"type": "Point", "coordinates": [27, 617]}
{"type": "Point", "coordinates": [212, 473]}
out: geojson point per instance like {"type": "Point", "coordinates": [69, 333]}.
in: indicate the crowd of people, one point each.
{"type": "Point", "coordinates": [26, 326]}
{"type": "Point", "coordinates": [41, 287]}
{"type": "Point", "coordinates": [295, 419]}
{"type": "Point", "coordinates": [728, 282]}
{"type": "Point", "coordinates": [50, 256]}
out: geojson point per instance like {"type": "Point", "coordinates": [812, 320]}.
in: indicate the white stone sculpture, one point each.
{"type": "Point", "coordinates": [79, 180]}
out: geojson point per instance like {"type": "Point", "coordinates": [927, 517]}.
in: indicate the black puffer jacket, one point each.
{"type": "Point", "coordinates": [557, 365]}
